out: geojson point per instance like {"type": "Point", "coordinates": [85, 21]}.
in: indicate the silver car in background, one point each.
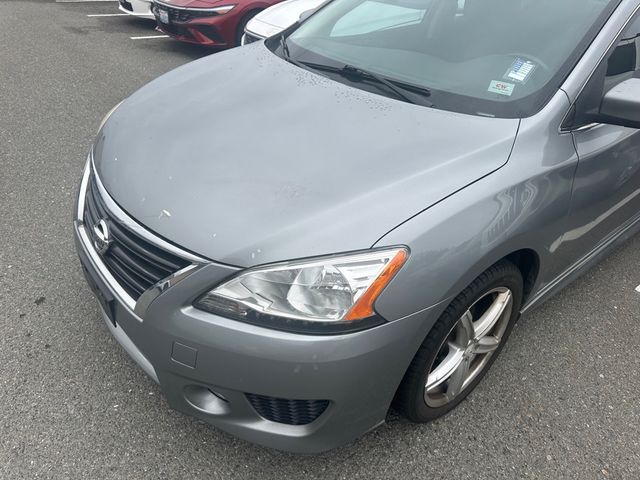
{"type": "Point", "coordinates": [277, 18]}
{"type": "Point", "coordinates": [137, 8]}
{"type": "Point", "coordinates": [354, 213]}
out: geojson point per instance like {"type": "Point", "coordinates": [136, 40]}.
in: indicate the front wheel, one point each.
{"type": "Point", "coordinates": [462, 345]}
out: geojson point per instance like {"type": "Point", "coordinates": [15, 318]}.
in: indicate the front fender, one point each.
{"type": "Point", "coordinates": [523, 205]}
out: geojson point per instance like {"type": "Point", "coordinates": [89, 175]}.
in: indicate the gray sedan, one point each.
{"type": "Point", "coordinates": [292, 236]}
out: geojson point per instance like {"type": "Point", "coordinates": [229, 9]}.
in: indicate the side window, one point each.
{"type": "Point", "coordinates": [621, 64]}
{"type": "Point", "coordinates": [625, 59]}
{"type": "Point", "coordinates": [371, 16]}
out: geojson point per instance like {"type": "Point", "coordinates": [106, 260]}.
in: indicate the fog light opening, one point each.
{"type": "Point", "coordinates": [206, 400]}
{"type": "Point", "coordinates": [219, 395]}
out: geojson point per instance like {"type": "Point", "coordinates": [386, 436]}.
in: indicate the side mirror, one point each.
{"type": "Point", "coordinates": [621, 105]}
{"type": "Point", "coordinates": [306, 14]}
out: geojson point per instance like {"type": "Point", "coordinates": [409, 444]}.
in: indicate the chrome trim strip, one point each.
{"type": "Point", "coordinates": [130, 347]}
{"type": "Point", "coordinates": [90, 250]}
{"type": "Point", "coordinates": [187, 9]}
{"type": "Point", "coordinates": [82, 193]}
{"type": "Point", "coordinates": [584, 128]}
{"type": "Point", "coordinates": [163, 285]}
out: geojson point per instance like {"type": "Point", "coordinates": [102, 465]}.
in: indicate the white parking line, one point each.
{"type": "Point", "coordinates": [638, 289]}
{"type": "Point", "coordinates": [146, 37]}
{"type": "Point", "coordinates": [109, 15]}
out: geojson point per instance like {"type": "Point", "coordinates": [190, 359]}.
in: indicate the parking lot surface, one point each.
{"type": "Point", "coordinates": [560, 402]}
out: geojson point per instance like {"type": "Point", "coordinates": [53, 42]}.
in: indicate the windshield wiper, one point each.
{"type": "Point", "coordinates": [350, 71]}
{"type": "Point", "coordinates": [286, 54]}
{"type": "Point", "coordinates": [284, 47]}
{"type": "Point", "coordinates": [397, 87]}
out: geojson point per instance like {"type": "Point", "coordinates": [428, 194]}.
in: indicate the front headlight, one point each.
{"type": "Point", "coordinates": [221, 10]}
{"type": "Point", "coordinates": [323, 295]}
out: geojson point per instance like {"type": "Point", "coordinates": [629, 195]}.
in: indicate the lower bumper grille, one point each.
{"type": "Point", "coordinates": [174, 29]}
{"type": "Point", "coordinates": [207, 31]}
{"type": "Point", "coordinates": [135, 263]}
{"type": "Point", "coordinates": [290, 412]}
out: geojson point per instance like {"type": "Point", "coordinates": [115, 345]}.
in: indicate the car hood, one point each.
{"type": "Point", "coordinates": [245, 159]}
{"type": "Point", "coordinates": [282, 15]}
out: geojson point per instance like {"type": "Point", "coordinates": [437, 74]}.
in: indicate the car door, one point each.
{"type": "Point", "coordinates": [606, 190]}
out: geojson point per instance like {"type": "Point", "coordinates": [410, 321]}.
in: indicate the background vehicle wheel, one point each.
{"type": "Point", "coordinates": [243, 24]}
{"type": "Point", "coordinates": [462, 345]}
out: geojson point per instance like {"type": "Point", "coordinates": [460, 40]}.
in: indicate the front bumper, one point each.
{"type": "Point", "coordinates": [206, 365]}
{"type": "Point", "coordinates": [192, 26]}
{"type": "Point", "coordinates": [138, 8]}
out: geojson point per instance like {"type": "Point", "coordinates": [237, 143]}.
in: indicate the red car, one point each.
{"type": "Point", "coordinates": [214, 23]}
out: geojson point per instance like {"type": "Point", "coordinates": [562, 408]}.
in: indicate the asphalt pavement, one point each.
{"type": "Point", "coordinates": [560, 402]}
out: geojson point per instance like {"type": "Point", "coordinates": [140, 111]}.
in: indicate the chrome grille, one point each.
{"type": "Point", "coordinates": [134, 262]}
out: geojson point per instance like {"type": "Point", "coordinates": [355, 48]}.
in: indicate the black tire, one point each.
{"type": "Point", "coordinates": [410, 397]}
{"type": "Point", "coordinates": [243, 23]}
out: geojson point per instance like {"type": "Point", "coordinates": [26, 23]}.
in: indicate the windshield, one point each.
{"type": "Point", "coordinates": [502, 58]}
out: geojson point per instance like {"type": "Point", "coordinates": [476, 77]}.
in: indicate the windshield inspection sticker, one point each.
{"type": "Point", "coordinates": [503, 88]}
{"type": "Point", "coordinates": [520, 71]}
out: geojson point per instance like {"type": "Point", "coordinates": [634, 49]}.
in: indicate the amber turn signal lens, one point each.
{"type": "Point", "coordinates": [363, 308]}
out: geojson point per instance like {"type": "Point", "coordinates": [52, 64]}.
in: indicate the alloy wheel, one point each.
{"type": "Point", "coordinates": [466, 350]}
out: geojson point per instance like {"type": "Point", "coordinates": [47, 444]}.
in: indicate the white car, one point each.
{"type": "Point", "coordinates": [139, 8]}
{"type": "Point", "coordinates": [277, 18]}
